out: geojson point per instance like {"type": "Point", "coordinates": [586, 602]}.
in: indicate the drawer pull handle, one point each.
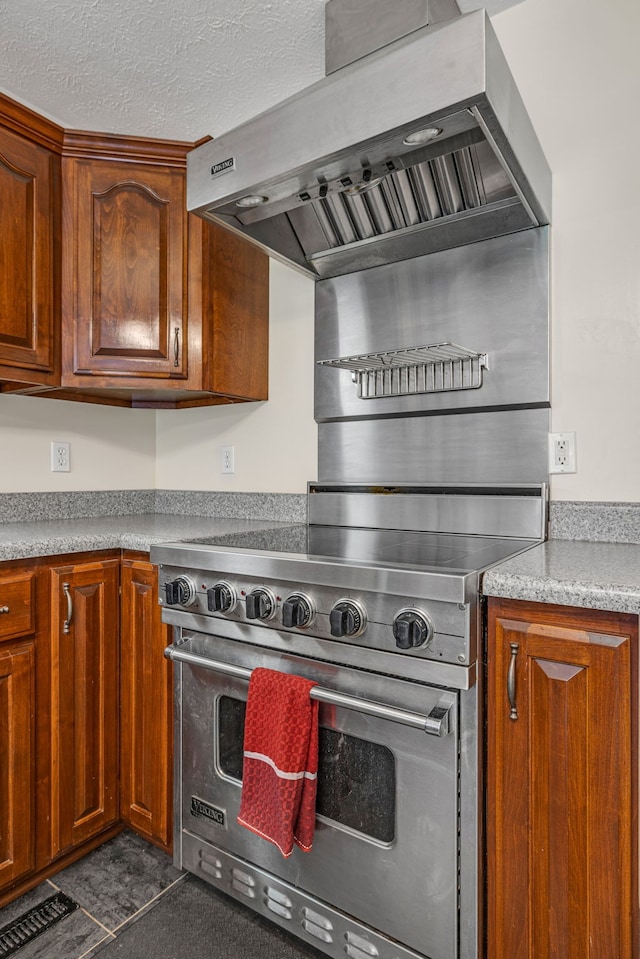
{"type": "Point", "coordinates": [511, 680]}
{"type": "Point", "coordinates": [66, 628]}
{"type": "Point", "coordinates": [176, 347]}
{"type": "Point", "coordinates": [4, 609]}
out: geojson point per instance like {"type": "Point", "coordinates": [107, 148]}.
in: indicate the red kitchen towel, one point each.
{"type": "Point", "coordinates": [280, 766]}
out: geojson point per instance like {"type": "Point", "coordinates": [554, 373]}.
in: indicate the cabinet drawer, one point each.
{"type": "Point", "coordinates": [17, 606]}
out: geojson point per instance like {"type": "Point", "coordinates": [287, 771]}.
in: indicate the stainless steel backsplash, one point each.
{"type": "Point", "coordinates": [490, 298]}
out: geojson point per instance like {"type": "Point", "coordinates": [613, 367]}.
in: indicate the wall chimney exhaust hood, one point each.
{"type": "Point", "coordinates": [422, 145]}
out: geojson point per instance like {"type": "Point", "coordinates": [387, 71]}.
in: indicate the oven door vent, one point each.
{"type": "Point", "coordinates": [437, 368]}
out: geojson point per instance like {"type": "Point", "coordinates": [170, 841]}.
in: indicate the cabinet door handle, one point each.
{"type": "Point", "coordinates": [4, 609]}
{"type": "Point", "coordinates": [511, 680]}
{"type": "Point", "coordinates": [66, 628]}
{"type": "Point", "coordinates": [176, 347]}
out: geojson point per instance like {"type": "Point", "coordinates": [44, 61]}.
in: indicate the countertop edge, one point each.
{"type": "Point", "coordinates": [591, 575]}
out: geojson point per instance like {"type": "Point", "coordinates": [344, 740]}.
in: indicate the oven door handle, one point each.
{"type": "Point", "coordinates": [435, 723]}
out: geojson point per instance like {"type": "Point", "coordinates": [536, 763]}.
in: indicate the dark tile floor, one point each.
{"type": "Point", "coordinates": [135, 905]}
{"type": "Point", "coordinates": [111, 885]}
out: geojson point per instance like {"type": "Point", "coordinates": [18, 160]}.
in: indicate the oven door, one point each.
{"type": "Point", "coordinates": [386, 844]}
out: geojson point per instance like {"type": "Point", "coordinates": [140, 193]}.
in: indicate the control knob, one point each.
{"type": "Point", "coordinates": [297, 611]}
{"type": "Point", "coordinates": [261, 604]}
{"type": "Point", "coordinates": [347, 618]}
{"type": "Point", "coordinates": [181, 591]}
{"type": "Point", "coordinates": [411, 628]}
{"type": "Point", "coordinates": [221, 598]}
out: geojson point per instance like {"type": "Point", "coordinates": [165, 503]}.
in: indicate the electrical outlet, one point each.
{"type": "Point", "coordinates": [562, 452]}
{"type": "Point", "coordinates": [60, 457]}
{"type": "Point", "coordinates": [228, 459]}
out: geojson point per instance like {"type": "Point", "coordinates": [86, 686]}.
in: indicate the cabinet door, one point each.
{"type": "Point", "coordinates": [84, 700]}
{"type": "Point", "coordinates": [28, 217]}
{"type": "Point", "coordinates": [124, 269]}
{"type": "Point", "coordinates": [559, 785]}
{"type": "Point", "coordinates": [146, 707]}
{"type": "Point", "coordinates": [17, 761]}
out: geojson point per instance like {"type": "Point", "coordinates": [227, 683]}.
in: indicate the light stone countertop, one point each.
{"type": "Point", "coordinates": [595, 575]}
{"type": "Point", "coordinates": [568, 572]}
{"type": "Point", "coordinates": [23, 540]}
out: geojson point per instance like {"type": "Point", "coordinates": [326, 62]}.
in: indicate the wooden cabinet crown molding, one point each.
{"type": "Point", "coordinates": [20, 119]}
{"type": "Point", "coordinates": [125, 149]}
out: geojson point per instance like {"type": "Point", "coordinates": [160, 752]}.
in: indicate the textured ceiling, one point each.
{"type": "Point", "coordinates": [179, 69]}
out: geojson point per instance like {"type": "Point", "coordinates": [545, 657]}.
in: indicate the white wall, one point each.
{"type": "Point", "coordinates": [575, 62]}
{"type": "Point", "coordinates": [111, 448]}
{"type": "Point", "coordinates": [275, 442]}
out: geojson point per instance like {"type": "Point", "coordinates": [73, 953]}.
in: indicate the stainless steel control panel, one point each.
{"type": "Point", "coordinates": [402, 624]}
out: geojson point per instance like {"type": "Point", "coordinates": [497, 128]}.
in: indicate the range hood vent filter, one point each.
{"type": "Point", "coordinates": [442, 187]}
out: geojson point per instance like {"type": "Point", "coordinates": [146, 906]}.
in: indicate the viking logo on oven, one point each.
{"type": "Point", "coordinates": [224, 166]}
{"type": "Point", "coordinates": [204, 810]}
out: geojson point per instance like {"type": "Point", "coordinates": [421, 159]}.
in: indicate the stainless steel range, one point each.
{"type": "Point", "coordinates": [387, 622]}
{"type": "Point", "coordinates": [432, 405]}
{"type": "Point", "coordinates": [417, 167]}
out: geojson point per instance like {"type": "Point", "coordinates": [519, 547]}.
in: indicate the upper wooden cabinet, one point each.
{"type": "Point", "coordinates": [561, 782]}
{"type": "Point", "coordinates": [158, 308]}
{"type": "Point", "coordinates": [29, 253]}
{"type": "Point", "coordinates": [125, 272]}
{"type": "Point", "coordinates": [153, 307]}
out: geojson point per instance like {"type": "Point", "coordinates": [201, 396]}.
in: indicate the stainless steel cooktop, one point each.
{"type": "Point", "coordinates": [429, 552]}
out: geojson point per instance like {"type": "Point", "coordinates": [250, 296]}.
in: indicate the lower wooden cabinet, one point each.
{"type": "Point", "coordinates": [146, 683]}
{"type": "Point", "coordinates": [20, 791]}
{"type": "Point", "coordinates": [561, 783]}
{"type": "Point", "coordinates": [85, 711]}
{"type": "Point", "coordinates": [84, 700]}
{"type": "Point", "coordinates": [17, 759]}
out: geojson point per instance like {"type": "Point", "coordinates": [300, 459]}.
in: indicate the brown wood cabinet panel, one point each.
{"type": "Point", "coordinates": [235, 308]}
{"type": "Point", "coordinates": [124, 270]}
{"type": "Point", "coordinates": [17, 604]}
{"type": "Point", "coordinates": [560, 789]}
{"type": "Point", "coordinates": [146, 740]}
{"type": "Point", "coordinates": [24, 591]}
{"type": "Point", "coordinates": [17, 761]}
{"type": "Point", "coordinates": [29, 259]}
{"type": "Point", "coordinates": [84, 700]}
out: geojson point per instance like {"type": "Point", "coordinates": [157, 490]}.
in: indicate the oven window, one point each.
{"type": "Point", "coordinates": [356, 778]}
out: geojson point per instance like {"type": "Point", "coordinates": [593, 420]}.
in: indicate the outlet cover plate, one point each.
{"type": "Point", "coordinates": [228, 457]}
{"type": "Point", "coordinates": [562, 453]}
{"type": "Point", "coordinates": [60, 457]}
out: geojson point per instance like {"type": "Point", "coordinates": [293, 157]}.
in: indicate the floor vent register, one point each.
{"type": "Point", "coordinates": [33, 923]}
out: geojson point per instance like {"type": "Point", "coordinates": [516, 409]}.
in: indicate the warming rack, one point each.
{"type": "Point", "coordinates": [437, 368]}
